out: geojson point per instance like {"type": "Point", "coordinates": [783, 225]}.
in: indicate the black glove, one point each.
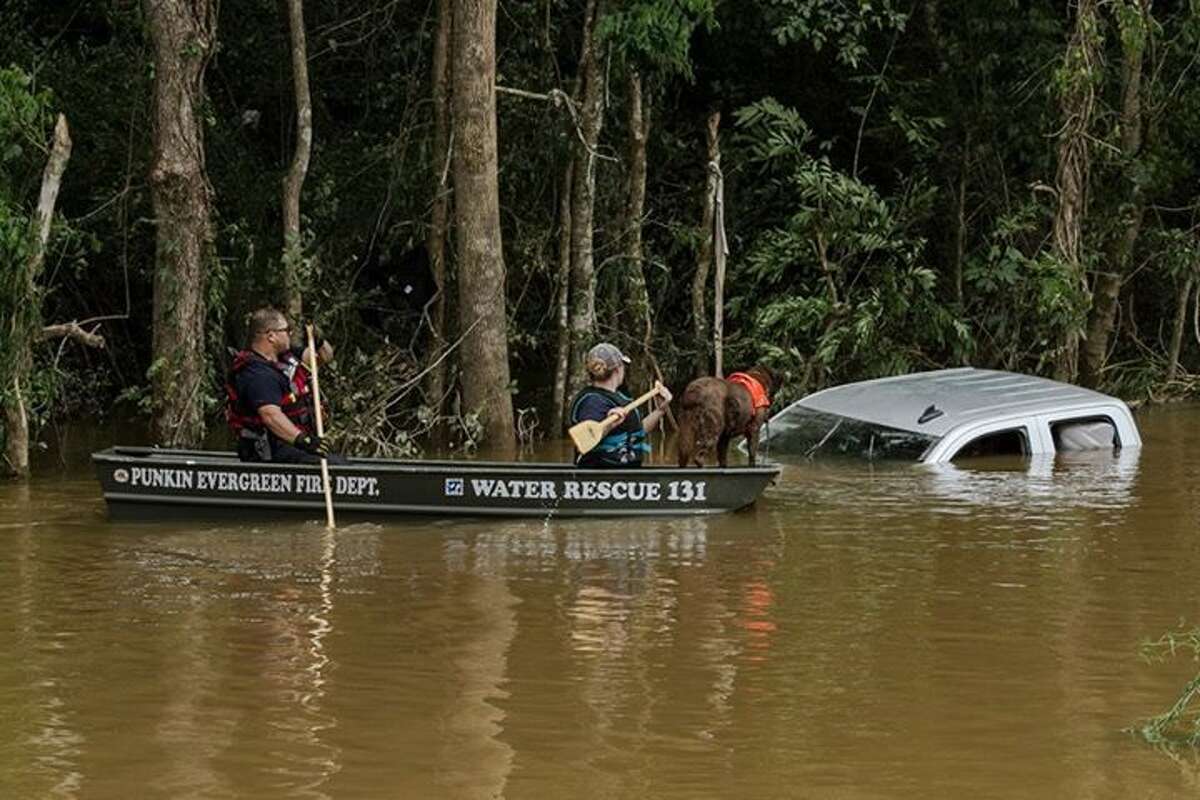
{"type": "Point", "coordinates": [311, 443]}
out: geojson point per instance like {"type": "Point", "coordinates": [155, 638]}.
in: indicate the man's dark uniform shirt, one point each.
{"type": "Point", "coordinates": [260, 383]}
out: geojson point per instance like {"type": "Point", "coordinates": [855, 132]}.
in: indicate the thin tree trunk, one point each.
{"type": "Point", "coordinates": [705, 258]}
{"type": "Point", "coordinates": [293, 182]}
{"type": "Point", "coordinates": [1107, 287]}
{"type": "Point", "coordinates": [25, 323]}
{"type": "Point", "coordinates": [960, 228]}
{"type": "Point", "coordinates": [720, 251]}
{"type": "Point", "coordinates": [184, 36]}
{"type": "Point", "coordinates": [933, 23]}
{"type": "Point", "coordinates": [638, 320]}
{"type": "Point", "coordinates": [827, 271]}
{"type": "Point", "coordinates": [583, 201]}
{"type": "Point", "coordinates": [1181, 310]}
{"type": "Point", "coordinates": [435, 383]}
{"type": "Point", "coordinates": [562, 360]}
{"type": "Point", "coordinates": [1074, 161]}
{"type": "Point", "coordinates": [482, 312]}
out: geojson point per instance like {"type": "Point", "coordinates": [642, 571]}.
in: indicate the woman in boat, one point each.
{"type": "Point", "coordinates": [625, 443]}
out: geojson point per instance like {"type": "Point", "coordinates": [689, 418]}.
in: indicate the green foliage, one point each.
{"type": "Point", "coordinates": [1180, 724]}
{"type": "Point", "coordinates": [1023, 299]}
{"type": "Point", "coordinates": [656, 33]}
{"type": "Point", "coordinates": [843, 25]}
{"type": "Point", "coordinates": [16, 319]}
{"type": "Point", "coordinates": [372, 397]}
{"type": "Point", "coordinates": [25, 121]}
{"type": "Point", "coordinates": [1081, 69]}
{"type": "Point", "coordinates": [364, 395]}
{"type": "Point", "coordinates": [842, 272]}
{"type": "Point", "coordinates": [24, 124]}
{"type": "Point", "coordinates": [1134, 27]}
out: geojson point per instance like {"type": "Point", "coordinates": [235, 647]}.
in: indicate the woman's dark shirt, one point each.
{"type": "Point", "coordinates": [623, 446]}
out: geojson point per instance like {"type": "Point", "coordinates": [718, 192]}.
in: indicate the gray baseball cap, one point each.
{"type": "Point", "coordinates": [603, 358]}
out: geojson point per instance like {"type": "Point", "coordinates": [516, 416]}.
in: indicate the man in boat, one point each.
{"type": "Point", "coordinates": [269, 395]}
{"type": "Point", "coordinates": [625, 442]}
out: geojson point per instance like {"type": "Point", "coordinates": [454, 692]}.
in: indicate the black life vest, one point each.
{"type": "Point", "coordinates": [296, 404]}
{"type": "Point", "coordinates": [625, 445]}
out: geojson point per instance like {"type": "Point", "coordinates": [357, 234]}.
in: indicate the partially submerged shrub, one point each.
{"type": "Point", "coordinates": [1180, 724]}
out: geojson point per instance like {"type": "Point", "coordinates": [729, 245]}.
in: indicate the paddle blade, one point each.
{"type": "Point", "coordinates": [586, 434]}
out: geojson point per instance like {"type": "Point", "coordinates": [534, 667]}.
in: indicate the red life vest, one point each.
{"type": "Point", "coordinates": [296, 404]}
{"type": "Point", "coordinates": [758, 394]}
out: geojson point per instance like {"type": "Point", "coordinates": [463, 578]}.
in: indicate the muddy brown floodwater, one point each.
{"type": "Point", "coordinates": [863, 632]}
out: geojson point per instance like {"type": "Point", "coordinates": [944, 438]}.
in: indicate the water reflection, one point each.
{"type": "Point", "coordinates": [1045, 492]}
{"type": "Point", "coordinates": [188, 736]}
{"type": "Point", "coordinates": [475, 761]}
{"type": "Point", "coordinates": [1042, 485]}
{"type": "Point", "coordinates": [41, 703]}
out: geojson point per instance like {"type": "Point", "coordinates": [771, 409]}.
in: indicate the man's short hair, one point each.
{"type": "Point", "coordinates": [265, 320]}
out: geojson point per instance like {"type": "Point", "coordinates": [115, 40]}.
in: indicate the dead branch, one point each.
{"type": "Point", "coordinates": [73, 330]}
{"type": "Point", "coordinates": [558, 98]}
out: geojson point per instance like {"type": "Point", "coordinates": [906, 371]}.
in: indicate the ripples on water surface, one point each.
{"type": "Point", "coordinates": [861, 633]}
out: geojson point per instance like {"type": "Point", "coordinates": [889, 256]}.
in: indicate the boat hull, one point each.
{"type": "Point", "coordinates": [151, 483]}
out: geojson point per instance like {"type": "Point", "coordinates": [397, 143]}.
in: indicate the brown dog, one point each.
{"type": "Point", "coordinates": [713, 411]}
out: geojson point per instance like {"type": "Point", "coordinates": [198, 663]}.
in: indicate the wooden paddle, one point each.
{"type": "Point", "coordinates": [329, 523]}
{"type": "Point", "coordinates": [587, 434]}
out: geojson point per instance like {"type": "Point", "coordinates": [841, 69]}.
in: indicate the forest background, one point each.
{"type": "Point", "coordinates": [900, 185]}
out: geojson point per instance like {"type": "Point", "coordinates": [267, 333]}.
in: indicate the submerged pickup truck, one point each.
{"type": "Point", "coordinates": [950, 414]}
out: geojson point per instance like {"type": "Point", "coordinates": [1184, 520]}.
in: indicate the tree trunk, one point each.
{"type": "Point", "coordinates": [1107, 287]}
{"type": "Point", "coordinates": [705, 258]}
{"type": "Point", "coordinates": [720, 251]}
{"type": "Point", "coordinates": [1181, 309]}
{"type": "Point", "coordinates": [960, 228]}
{"type": "Point", "coordinates": [25, 322]}
{"type": "Point", "coordinates": [562, 361]}
{"type": "Point", "coordinates": [637, 320]}
{"type": "Point", "coordinates": [484, 355]}
{"type": "Point", "coordinates": [435, 382]}
{"type": "Point", "coordinates": [583, 201]}
{"type": "Point", "coordinates": [293, 182]}
{"type": "Point", "coordinates": [1074, 160]}
{"type": "Point", "coordinates": [183, 33]}
{"type": "Point", "coordinates": [940, 47]}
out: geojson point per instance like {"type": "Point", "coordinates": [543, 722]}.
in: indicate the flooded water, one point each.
{"type": "Point", "coordinates": [860, 633]}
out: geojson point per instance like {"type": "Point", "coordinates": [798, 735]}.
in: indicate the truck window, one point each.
{"type": "Point", "coordinates": [1013, 442]}
{"type": "Point", "coordinates": [1087, 433]}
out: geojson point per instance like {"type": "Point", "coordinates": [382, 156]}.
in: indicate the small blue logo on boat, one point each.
{"type": "Point", "coordinates": [454, 487]}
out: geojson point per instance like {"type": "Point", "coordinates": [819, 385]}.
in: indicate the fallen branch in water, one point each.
{"type": "Point", "coordinates": [1180, 724]}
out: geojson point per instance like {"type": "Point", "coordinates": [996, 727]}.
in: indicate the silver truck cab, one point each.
{"type": "Point", "coordinates": [943, 415]}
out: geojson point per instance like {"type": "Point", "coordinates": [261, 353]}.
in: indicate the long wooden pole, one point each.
{"type": "Point", "coordinates": [329, 523]}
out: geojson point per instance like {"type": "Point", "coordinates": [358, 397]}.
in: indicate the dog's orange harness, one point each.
{"type": "Point", "coordinates": [758, 395]}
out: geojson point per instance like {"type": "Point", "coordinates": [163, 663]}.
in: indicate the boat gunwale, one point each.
{"type": "Point", "coordinates": [127, 455]}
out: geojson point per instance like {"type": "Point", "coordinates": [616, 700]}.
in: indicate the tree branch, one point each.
{"type": "Point", "coordinates": [559, 99]}
{"type": "Point", "coordinates": [72, 330]}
